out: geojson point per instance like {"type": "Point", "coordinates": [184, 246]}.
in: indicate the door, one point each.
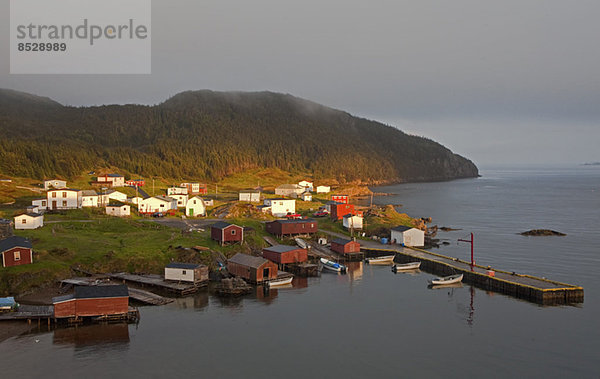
{"type": "Point", "coordinates": [191, 211]}
{"type": "Point", "coordinates": [53, 204]}
{"type": "Point", "coordinates": [265, 273]}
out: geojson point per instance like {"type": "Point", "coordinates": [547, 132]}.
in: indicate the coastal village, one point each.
{"type": "Point", "coordinates": [227, 243]}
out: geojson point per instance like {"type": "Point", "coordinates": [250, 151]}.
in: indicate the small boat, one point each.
{"type": "Point", "coordinates": [388, 259]}
{"type": "Point", "coordinates": [406, 266]}
{"type": "Point", "coordinates": [280, 281]}
{"type": "Point", "coordinates": [333, 266]}
{"type": "Point", "coordinates": [447, 280]}
{"type": "Point", "coordinates": [300, 242]}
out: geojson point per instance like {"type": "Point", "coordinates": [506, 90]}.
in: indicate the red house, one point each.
{"type": "Point", "coordinates": [291, 227]}
{"type": "Point", "coordinates": [284, 254]}
{"type": "Point", "coordinates": [225, 232]}
{"type": "Point", "coordinates": [340, 198]}
{"type": "Point", "coordinates": [251, 268]}
{"type": "Point", "coordinates": [338, 211]}
{"type": "Point", "coordinates": [16, 251]}
{"type": "Point", "coordinates": [135, 183]}
{"type": "Point", "coordinates": [344, 246]}
{"type": "Point", "coordinates": [93, 301]}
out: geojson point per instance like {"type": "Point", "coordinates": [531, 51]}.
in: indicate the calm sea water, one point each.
{"type": "Point", "coordinates": [372, 323]}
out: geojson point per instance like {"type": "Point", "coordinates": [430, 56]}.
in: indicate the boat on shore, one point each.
{"type": "Point", "coordinates": [406, 266]}
{"type": "Point", "coordinates": [446, 280]}
{"type": "Point", "coordinates": [302, 243]}
{"type": "Point", "coordinates": [385, 260]}
{"type": "Point", "coordinates": [333, 266]}
{"type": "Point", "coordinates": [280, 281]}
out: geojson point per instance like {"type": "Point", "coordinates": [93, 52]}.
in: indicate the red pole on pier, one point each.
{"type": "Point", "coordinates": [471, 242]}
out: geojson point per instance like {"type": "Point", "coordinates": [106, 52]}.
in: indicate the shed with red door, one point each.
{"type": "Point", "coordinates": [16, 251]}
{"type": "Point", "coordinates": [225, 233]}
{"type": "Point", "coordinates": [251, 268]}
{"type": "Point", "coordinates": [345, 246]}
{"type": "Point", "coordinates": [284, 254]}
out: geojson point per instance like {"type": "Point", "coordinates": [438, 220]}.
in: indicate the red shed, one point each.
{"type": "Point", "coordinates": [338, 211]}
{"type": "Point", "coordinates": [344, 246]}
{"type": "Point", "coordinates": [251, 268]}
{"type": "Point", "coordinates": [93, 301]}
{"type": "Point", "coordinates": [340, 198]}
{"type": "Point", "coordinates": [225, 232]}
{"type": "Point", "coordinates": [16, 251]}
{"type": "Point", "coordinates": [284, 254]}
{"type": "Point", "coordinates": [290, 227]}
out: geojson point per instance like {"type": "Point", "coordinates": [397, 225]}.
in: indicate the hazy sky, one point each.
{"type": "Point", "coordinates": [497, 81]}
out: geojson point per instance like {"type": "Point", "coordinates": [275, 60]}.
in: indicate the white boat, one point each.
{"type": "Point", "coordinates": [406, 266]}
{"type": "Point", "coordinates": [388, 259]}
{"type": "Point", "coordinates": [280, 282]}
{"type": "Point", "coordinates": [447, 280]}
{"type": "Point", "coordinates": [333, 266]}
{"type": "Point", "coordinates": [300, 242]}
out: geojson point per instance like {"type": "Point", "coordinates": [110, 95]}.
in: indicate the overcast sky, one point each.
{"type": "Point", "coordinates": [496, 81]}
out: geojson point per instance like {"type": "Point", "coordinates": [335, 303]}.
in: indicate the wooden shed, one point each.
{"type": "Point", "coordinates": [338, 211]}
{"type": "Point", "coordinates": [252, 269]}
{"type": "Point", "coordinates": [16, 251]}
{"type": "Point", "coordinates": [284, 254]}
{"type": "Point", "coordinates": [225, 232]}
{"type": "Point", "coordinates": [292, 227]}
{"type": "Point", "coordinates": [186, 272]}
{"type": "Point", "coordinates": [93, 301]}
{"type": "Point", "coordinates": [407, 236]}
{"type": "Point", "coordinates": [344, 246]}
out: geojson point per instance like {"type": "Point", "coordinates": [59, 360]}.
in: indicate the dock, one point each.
{"type": "Point", "coordinates": [29, 312]}
{"type": "Point", "coordinates": [537, 290]}
{"type": "Point", "coordinates": [134, 293]}
{"type": "Point", "coordinates": [157, 281]}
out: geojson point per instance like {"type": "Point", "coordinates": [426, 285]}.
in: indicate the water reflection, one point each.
{"type": "Point", "coordinates": [355, 270]}
{"type": "Point", "coordinates": [93, 338]}
{"type": "Point", "coordinates": [197, 301]}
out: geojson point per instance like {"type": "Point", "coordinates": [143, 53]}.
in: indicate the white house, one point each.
{"type": "Point", "coordinates": [352, 222]}
{"type": "Point", "coordinates": [157, 204]}
{"type": "Point", "coordinates": [177, 191]}
{"type": "Point", "coordinates": [114, 180]}
{"type": "Point", "coordinates": [116, 195]}
{"type": "Point", "coordinates": [306, 185]}
{"type": "Point", "coordinates": [280, 207]}
{"type": "Point", "coordinates": [182, 200]}
{"type": "Point", "coordinates": [186, 272]}
{"type": "Point", "coordinates": [405, 235]}
{"type": "Point", "coordinates": [64, 198]}
{"type": "Point", "coordinates": [195, 207]}
{"type": "Point", "coordinates": [54, 183]}
{"type": "Point", "coordinates": [323, 189]}
{"type": "Point", "coordinates": [119, 210]}
{"type": "Point", "coordinates": [209, 202]}
{"type": "Point", "coordinates": [306, 196]}
{"type": "Point", "coordinates": [42, 204]}
{"type": "Point", "coordinates": [290, 190]}
{"type": "Point", "coordinates": [89, 198]}
{"type": "Point", "coordinates": [29, 221]}
{"type": "Point", "coordinates": [194, 188]}
{"type": "Point", "coordinates": [249, 196]}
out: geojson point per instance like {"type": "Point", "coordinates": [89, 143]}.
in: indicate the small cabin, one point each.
{"type": "Point", "coordinates": [195, 207]}
{"type": "Point", "coordinates": [323, 189]}
{"type": "Point", "coordinates": [306, 196]}
{"type": "Point", "coordinates": [225, 233]}
{"type": "Point", "coordinates": [251, 268]}
{"type": "Point", "coordinates": [119, 210]}
{"type": "Point", "coordinates": [16, 251]}
{"type": "Point", "coordinates": [345, 246]}
{"type": "Point", "coordinates": [354, 222]}
{"type": "Point", "coordinates": [292, 227]}
{"type": "Point", "coordinates": [284, 254]}
{"type": "Point", "coordinates": [186, 272]}
{"type": "Point", "coordinates": [93, 301]}
{"type": "Point", "coordinates": [407, 236]}
{"type": "Point", "coordinates": [29, 221]}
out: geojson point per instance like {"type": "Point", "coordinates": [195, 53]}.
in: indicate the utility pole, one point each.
{"type": "Point", "coordinates": [471, 242]}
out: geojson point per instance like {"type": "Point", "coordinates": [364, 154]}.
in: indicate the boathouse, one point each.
{"type": "Point", "coordinates": [252, 269]}
{"type": "Point", "coordinates": [93, 301]}
{"type": "Point", "coordinates": [345, 246]}
{"type": "Point", "coordinates": [407, 236]}
{"type": "Point", "coordinates": [282, 228]}
{"type": "Point", "coordinates": [284, 254]}
{"type": "Point", "coordinates": [225, 233]}
{"type": "Point", "coordinates": [186, 272]}
{"type": "Point", "coordinates": [16, 251]}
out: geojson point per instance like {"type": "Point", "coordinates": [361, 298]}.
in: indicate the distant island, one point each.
{"type": "Point", "coordinates": [211, 135]}
{"type": "Point", "coordinates": [591, 164]}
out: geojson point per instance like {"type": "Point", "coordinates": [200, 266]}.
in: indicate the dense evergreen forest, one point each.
{"type": "Point", "coordinates": [209, 135]}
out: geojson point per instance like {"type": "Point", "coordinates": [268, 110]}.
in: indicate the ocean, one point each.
{"type": "Point", "coordinates": [371, 322]}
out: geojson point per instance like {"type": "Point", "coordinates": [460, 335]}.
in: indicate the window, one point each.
{"type": "Point", "coordinates": [183, 272]}
{"type": "Point", "coordinates": [312, 225]}
{"type": "Point", "coordinates": [24, 221]}
{"type": "Point", "coordinates": [233, 232]}
{"type": "Point", "coordinates": [64, 203]}
{"type": "Point", "coordinates": [53, 194]}
{"type": "Point", "coordinates": [43, 203]}
{"type": "Point", "coordinates": [64, 194]}
{"type": "Point", "coordinates": [17, 255]}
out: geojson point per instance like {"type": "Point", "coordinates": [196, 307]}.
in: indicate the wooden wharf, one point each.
{"type": "Point", "coordinates": [537, 290]}
{"type": "Point", "coordinates": [157, 281]}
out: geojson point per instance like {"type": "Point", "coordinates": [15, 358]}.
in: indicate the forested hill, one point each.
{"type": "Point", "coordinates": [209, 135]}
